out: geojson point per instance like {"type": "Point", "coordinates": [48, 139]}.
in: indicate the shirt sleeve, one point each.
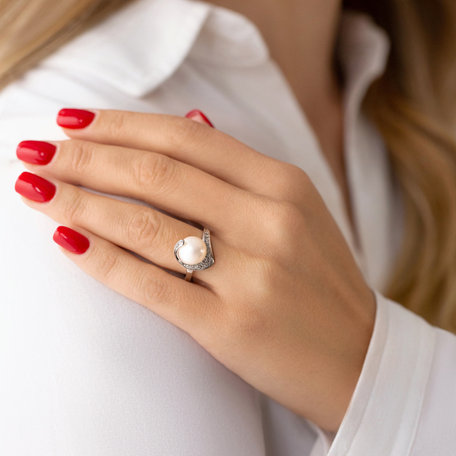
{"type": "Point", "coordinates": [404, 403]}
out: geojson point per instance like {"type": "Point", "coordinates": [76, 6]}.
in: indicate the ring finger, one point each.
{"type": "Point", "coordinates": [135, 227]}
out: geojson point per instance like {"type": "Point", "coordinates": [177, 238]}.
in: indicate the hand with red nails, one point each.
{"type": "Point", "coordinates": [284, 306]}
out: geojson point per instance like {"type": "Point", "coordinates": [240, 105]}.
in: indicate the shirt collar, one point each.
{"type": "Point", "coordinates": [136, 48]}
{"type": "Point", "coordinates": [140, 46]}
{"type": "Point", "coordinates": [362, 49]}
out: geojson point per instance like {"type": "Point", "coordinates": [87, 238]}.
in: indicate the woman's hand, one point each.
{"type": "Point", "coordinates": [284, 306]}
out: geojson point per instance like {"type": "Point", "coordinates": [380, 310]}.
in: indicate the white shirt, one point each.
{"type": "Point", "coordinates": [86, 371]}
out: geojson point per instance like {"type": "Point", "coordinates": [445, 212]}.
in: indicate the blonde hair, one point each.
{"type": "Point", "coordinates": [32, 29]}
{"type": "Point", "coordinates": [413, 105]}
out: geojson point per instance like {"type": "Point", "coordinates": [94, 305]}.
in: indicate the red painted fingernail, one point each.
{"type": "Point", "coordinates": [74, 118]}
{"type": "Point", "coordinates": [34, 187]}
{"type": "Point", "coordinates": [35, 152]}
{"type": "Point", "coordinates": [71, 240]}
{"type": "Point", "coordinates": [196, 114]}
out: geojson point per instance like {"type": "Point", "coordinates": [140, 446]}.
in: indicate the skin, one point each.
{"type": "Point", "coordinates": [284, 306]}
{"type": "Point", "coordinates": [301, 36]}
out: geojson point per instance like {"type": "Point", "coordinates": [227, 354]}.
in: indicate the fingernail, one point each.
{"type": "Point", "coordinates": [197, 115]}
{"type": "Point", "coordinates": [35, 152]}
{"type": "Point", "coordinates": [34, 187]}
{"type": "Point", "coordinates": [71, 240]}
{"type": "Point", "coordinates": [74, 118]}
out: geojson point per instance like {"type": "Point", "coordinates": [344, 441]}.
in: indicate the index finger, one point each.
{"type": "Point", "coordinates": [180, 138]}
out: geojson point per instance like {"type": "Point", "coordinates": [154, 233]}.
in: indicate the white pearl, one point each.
{"type": "Point", "coordinates": [193, 251]}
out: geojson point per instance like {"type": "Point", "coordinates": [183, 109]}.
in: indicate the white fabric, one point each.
{"type": "Point", "coordinates": [85, 371]}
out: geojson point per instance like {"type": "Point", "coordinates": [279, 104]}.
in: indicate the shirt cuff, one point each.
{"type": "Point", "coordinates": [385, 407]}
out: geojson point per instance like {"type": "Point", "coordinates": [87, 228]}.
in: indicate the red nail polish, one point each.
{"type": "Point", "coordinates": [71, 240]}
{"type": "Point", "coordinates": [34, 187]}
{"type": "Point", "coordinates": [74, 118]}
{"type": "Point", "coordinates": [35, 152]}
{"type": "Point", "coordinates": [196, 114]}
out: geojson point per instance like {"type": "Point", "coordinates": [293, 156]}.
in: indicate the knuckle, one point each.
{"type": "Point", "coordinates": [74, 208]}
{"type": "Point", "coordinates": [281, 217]}
{"type": "Point", "coordinates": [152, 290]}
{"type": "Point", "coordinates": [116, 124]}
{"type": "Point", "coordinates": [284, 225]}
{"type": "Point", "coordinates": [290, 180]}
{"type": "Point", "coordinates": [186, 132]}
{"type": "Point", "coordinates": [296, 174]}
{"type": "Point", "coordinates": [107, 265]}
{"type": "Point", "coordinates": [155, 172]}
{"type": "Point", "coordinates": [264, 278]}
{"type": "Point", "coordinates": [143, 226]}
{"type": "Point", "coordinates": [287, 214]}
{"type": "Point", "coordinates": [248, 316]}
{"type": "Point", "coordinates": [81, 156]}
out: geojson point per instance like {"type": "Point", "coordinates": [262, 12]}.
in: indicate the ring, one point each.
{"type": "Point", "coordinates": [194, 254]}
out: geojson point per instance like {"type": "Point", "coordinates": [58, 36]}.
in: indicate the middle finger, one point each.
{"type": "Point", "coordinates": [167, 184]}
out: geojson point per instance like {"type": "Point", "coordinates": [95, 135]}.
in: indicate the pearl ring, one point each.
{"type": "Point", "coordinates": [194, 254]}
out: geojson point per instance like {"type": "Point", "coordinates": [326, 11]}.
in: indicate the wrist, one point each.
{"type": "Point", "coordinates": [353, 364]}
